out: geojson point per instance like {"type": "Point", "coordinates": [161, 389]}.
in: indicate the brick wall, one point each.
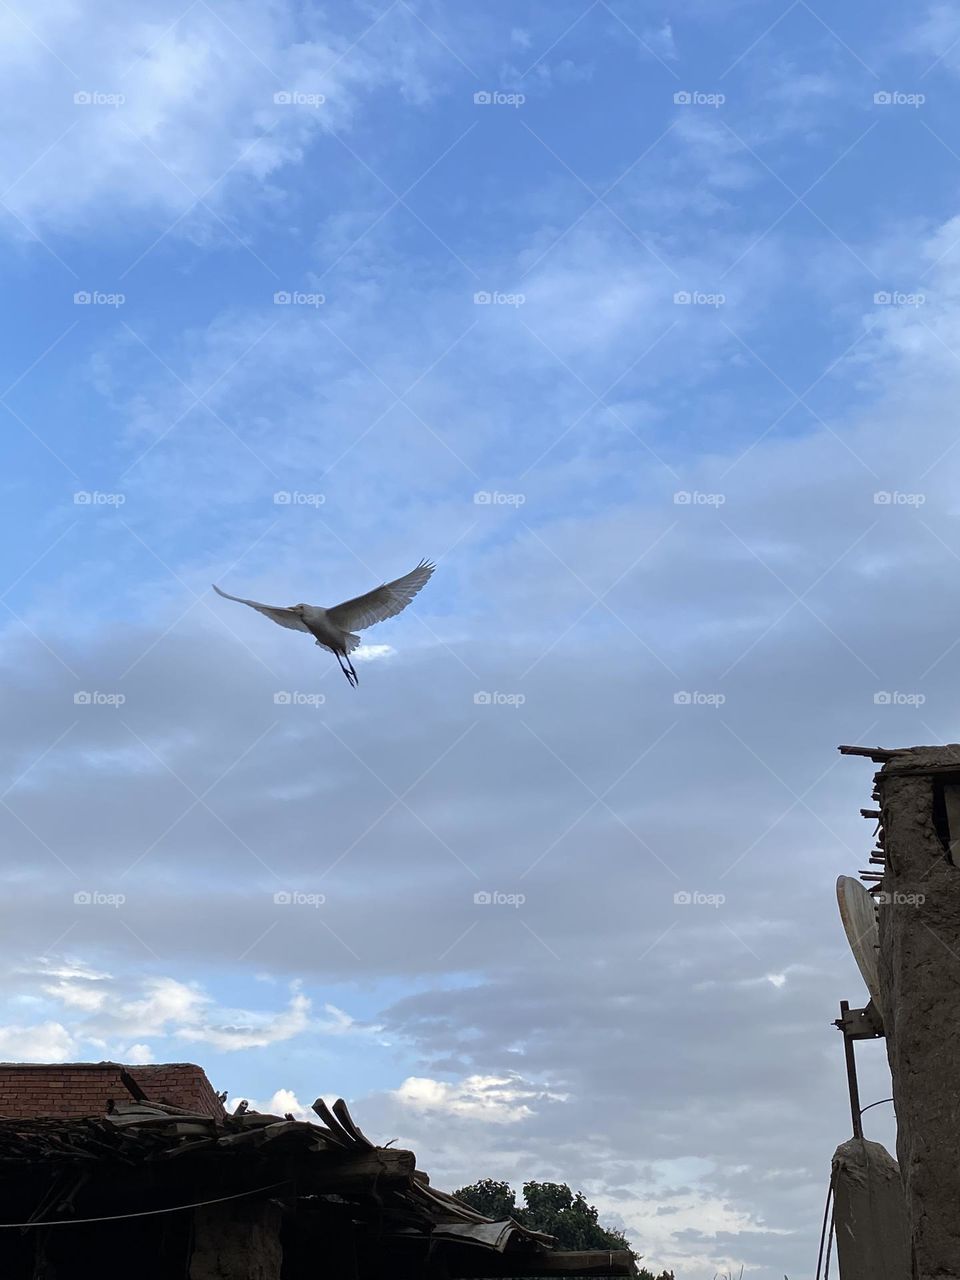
{"type": "Point", "coordinates": [85, 1088]}
{"type": "Point", "coordinates": [182, 1084]}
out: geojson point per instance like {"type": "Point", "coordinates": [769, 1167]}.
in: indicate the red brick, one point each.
{"type": "Point", "coordinates": [84, 1088]}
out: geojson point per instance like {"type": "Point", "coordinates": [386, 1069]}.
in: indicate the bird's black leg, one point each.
{"type": "Point", "coordinates": [348, 670]}
{"type": "Point", "coordinates": [356, 678]}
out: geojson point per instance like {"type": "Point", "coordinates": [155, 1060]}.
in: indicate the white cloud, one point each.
{"type": "Point", "coordinates": [76, 985]}
{"type": "Point", "coordinates": [934, 35]}
{"type": "Point", "coordinates": [76, 997]}
{"type": "Point", "coordinates": [175, 108]}
{"type": "Point", "coordinates": [42, 1042]}
{"type": "Point", "coordinates": [251, 1030]}
{"type": "Point", "coordinates": [162, 1007]}
{"type": "Point", "coordinates": [282, 1102]}
{"type": "Point", "coordinates": [495, 1099]}
{"type": "Point", "coordinates": [167, 1001]}
{"type": "Point", "coordinates": [69, 969]}
{"type": "Point", "coordinates": [373, 652]}
{"type": "Point", "coordinates": [339, 1021]}
{"type": "Point", "coordinates": [137, 1055]}
{"type": "Point", "coordinates": [660, 40]}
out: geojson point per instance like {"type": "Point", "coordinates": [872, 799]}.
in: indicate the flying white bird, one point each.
{"type": "Point", "coordinates": [334, 628]}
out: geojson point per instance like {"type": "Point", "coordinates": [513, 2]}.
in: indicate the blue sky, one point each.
{"type": "Point", "coordinates": [710, 402]}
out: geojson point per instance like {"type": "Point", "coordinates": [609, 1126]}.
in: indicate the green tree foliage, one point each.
{"type": "Point", "coordinates": [553, 1208]}
{"type": "Point", "coordinates": [493, 1199]}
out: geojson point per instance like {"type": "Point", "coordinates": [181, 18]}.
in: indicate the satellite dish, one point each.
{"type": "Point", "coordinates": [859, 916]}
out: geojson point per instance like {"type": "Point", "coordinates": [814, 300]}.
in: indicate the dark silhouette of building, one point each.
{"type": "Point", "coordinates": [109, 1172]}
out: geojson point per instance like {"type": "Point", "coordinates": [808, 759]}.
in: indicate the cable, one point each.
{"type": "Point", "coordinates": [833, 1216]}
{"type": "Point", "coordinates": [826, 1210]}
{"type": "Point", "coordinates": [824, 1238]}
{"type": "Point", "coordinates": [143, 1213]}
{"type": "Point", "coordinates": [876, 1104]}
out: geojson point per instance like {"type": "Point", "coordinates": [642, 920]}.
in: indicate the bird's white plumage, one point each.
{"type": "Point", "coordinates": [276, 612]}
{"type": "Point", "coordinates": [333, 628]}
{"type": "Point", "coordinates": [381, 603]}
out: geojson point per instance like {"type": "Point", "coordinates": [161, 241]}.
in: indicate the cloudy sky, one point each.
{"type": "Point", "coordinates": [644, 323]}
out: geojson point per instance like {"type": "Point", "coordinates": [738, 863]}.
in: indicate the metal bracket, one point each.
{"type": "Point", "coordinates": [860, 1024]}
{"type": "Point", "coordinates": [856, 1024]}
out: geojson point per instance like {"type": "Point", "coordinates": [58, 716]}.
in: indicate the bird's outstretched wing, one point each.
{"type": "Point", "coordinates": [383, 602]}
{"type": "Point", "coordinates": [276, 612]}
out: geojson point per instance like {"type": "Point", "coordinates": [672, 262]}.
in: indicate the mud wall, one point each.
{"type": "Point", "coordinates": [920, 988]}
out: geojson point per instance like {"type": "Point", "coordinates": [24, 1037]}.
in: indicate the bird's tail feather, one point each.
{"type": "Point", "coordinates": [350, 642]}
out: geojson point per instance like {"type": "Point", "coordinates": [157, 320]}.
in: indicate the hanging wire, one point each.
{"type": "Point", "coordinates": [826, 1212]}
{"type": "Point", "coordinates": [143, 1213]}
{"type": "Point", "coordinates": [825, 1237]}
{"type": "Point", "coordinates": [875, 1104]}
{"type": "Point", "coordinates": [833, 1215]}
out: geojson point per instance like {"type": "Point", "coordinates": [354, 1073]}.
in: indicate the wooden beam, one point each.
{"type": "Point", "coordinates": [877, 754]}
{"type": "Point", "coordinates": [369, 1171]}
{"type": "Point", "coordinates": [132, 1087]}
